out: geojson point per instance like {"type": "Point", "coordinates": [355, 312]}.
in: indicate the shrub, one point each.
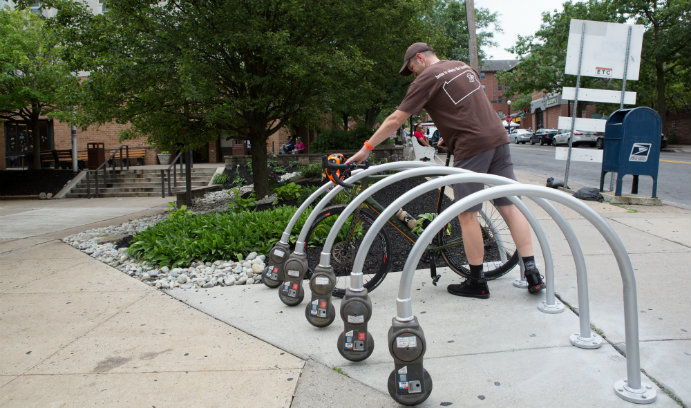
{"type": "Point", "coordinates": [335, 139]}
{"type": "Point", "coordinates": [184, 238]}
{"type": "Point", "coordinates": [220, 178]}
{"type": "Point", "coordinates": [288, 192]}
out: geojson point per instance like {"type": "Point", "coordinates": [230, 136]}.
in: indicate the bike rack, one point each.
{"type": "Point", "coordinates": [284, 242]}
{"type": "Point", "coordinates": [549, 305]}
{"type": "Point", "coordinates": [355, 177]}
{"type": "Point", "coordinates": [630, 389]}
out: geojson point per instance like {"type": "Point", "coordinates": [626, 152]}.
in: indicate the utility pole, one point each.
{"type": "Point", "coordinates": [472, 39]}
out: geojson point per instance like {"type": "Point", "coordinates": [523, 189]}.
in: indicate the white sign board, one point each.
{"type": "Point", "coordinates": [604, 49]}
{"type": "Point", "coordinates": [585, 155]}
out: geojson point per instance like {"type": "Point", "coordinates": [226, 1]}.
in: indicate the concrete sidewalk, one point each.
{"type": "Point", "coordinates": [76, 332]}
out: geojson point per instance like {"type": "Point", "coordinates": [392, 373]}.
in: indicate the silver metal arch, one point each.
{"type": "Point", "coordinates": [285, 237]}
{"type": "Point", "coordinates": [300, 244]}
{"type": "Point", "coordinates": [403, 302]}
{"type": "Point", "coordinates": [550, 303]}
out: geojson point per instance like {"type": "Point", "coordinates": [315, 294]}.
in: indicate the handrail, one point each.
{"type": "Point", "coordinates": [173, 165]}
{"type": "Point", "coordinates": [103, 166]}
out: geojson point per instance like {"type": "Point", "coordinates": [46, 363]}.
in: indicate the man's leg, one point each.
{"type": "Point", "coordinates": [474, 247]}
{"type": "Point", "coordinates": [520, 232]}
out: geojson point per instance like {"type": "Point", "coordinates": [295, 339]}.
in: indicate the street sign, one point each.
{"type": "Point", "coordinates": [604, 49]}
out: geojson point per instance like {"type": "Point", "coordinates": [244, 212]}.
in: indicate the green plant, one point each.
{"type": "Point", "coordinates": [310, 170]}
{"type": "Point", "coordinates": [288, 192]}
{"type": "Point", "coordinates": [220, 178]}
{"type": "Point", "coordinates": [184, 237]}
{"type": "Point", "coordinates": [294, 164]}
{"type": "Point", "coordinates": [242, 204]}
{"type": "Point", "coordinates": [423, 221]}
{"type": "Point", "coordinates": [239, 181]}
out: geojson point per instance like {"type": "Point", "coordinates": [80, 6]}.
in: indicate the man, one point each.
{"type": "Point", "coordinates": [450, 91]}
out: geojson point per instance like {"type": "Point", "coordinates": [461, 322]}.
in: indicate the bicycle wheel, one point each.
{"type": "Point", "coordinates": [500, 250]}
{"type": "Point", "coordinates": [343, 252]}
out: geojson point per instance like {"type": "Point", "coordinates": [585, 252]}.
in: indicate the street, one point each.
{"type": "Point", "coordinates": [673, 182]}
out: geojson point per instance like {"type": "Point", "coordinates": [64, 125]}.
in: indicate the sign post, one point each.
{"type": "Point", "coordinates": [602, 50]}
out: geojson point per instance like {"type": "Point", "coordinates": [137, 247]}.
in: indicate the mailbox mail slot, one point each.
{"type": "Point", "coordinates": [632, 146]}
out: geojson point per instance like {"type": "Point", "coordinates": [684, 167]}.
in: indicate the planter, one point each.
{"type": "Point", "coordinates": [164, 158]}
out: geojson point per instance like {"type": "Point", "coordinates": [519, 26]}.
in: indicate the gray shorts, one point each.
{"type": "Point", "coordinates": [495, 161]}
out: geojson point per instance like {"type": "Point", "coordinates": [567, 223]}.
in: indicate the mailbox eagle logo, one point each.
{"type": "Point", "coordinates": [640, 152]}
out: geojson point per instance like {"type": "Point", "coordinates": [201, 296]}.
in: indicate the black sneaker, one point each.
{"type": "Point", "coordinates": [470, 288]}
{"type": "Point", "coordinates": [535, 282]}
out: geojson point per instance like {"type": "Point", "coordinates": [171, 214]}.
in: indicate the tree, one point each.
{"type": "Point", "coordinates": [34, 79]}
{"type": "Point", "coordinates": [664, 81]}
{"type": "Point", "coordinates": [664, 71]}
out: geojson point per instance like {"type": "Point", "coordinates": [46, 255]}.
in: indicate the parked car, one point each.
{"type": "Point", "coordinates": [600, 141]}
{"type": "Point", "coordinates": [543, 136]}
{"type": "Point", "coordinates": [520, 136]}
{"type": "Point", "coordinates": [580, 137]}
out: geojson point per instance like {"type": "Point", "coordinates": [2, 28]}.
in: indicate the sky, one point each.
{"type": "Point", "coordinates": [515, 18]}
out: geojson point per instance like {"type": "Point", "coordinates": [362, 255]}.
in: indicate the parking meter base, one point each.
{"type": "Point", "coordinates": [273, 274]}
{"type": "Point", "coordinates": [291, 292]}
{"type": "Point", "coordinates": [409, 383]}
{"type": "Point", "coordinates": [320, 312]}
{"type": "Point", "coordinates": [352, 346]}
{"type": "Point", "coordinates": [355, 343]}
{"type": "Point", "coordinates": [413, 392]}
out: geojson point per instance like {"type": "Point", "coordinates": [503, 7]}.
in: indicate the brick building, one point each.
{"type": "Point", "coordinates": [494, 91]}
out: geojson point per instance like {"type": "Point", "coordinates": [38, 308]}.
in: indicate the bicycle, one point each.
{"type": "Point", "coordinates": [500, 251]}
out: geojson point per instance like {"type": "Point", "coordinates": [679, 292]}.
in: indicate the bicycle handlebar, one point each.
{"type": "Point", "coordinates": [346, 168]}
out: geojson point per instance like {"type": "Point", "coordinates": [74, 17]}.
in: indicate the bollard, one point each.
{"type": "Point", "coordinates": [291, 292]}
{"type": "Point", "coordinates": [409, 383]}
{"type": "Point", "coordinates": [320, 312]}
{"type": "Point", "coordinates": [355, 343]}
{"type": "Point", "coordinates": [273, 274]}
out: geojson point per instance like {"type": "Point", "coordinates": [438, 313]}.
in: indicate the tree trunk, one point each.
{"type": "Point", "coordinates": [260, 171]}
{"type": "Point", "coordinates": [36, 136]}
{"type": "Point", "coordinates": [345, 121]}
{"type": "Point", "coordinates": [371, 117]}
{"type": "Point", "coordinates": [660, 88]}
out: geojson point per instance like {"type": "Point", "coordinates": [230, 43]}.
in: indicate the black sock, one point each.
{"type": "Point", "coordinates": [477, 272]}
{"type": "Point", "coordinates": [528, 262]}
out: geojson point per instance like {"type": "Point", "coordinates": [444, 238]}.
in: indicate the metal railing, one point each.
{"type": "Point", "coordinates": [103, 167]}
{"type": "Point", "coordinates": [174, 166]}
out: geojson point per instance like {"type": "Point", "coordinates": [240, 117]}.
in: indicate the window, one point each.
{"type": "Point", "coordinates": [484, 87]}
{"type": "Point", "coordinates": [500, 100]}
{"type": "Point", "coordinates": [499, 87]}
{"type": "Point", "coordinates": [36, 8]}
{"type": "Point", "coordinates": [482, 75]}
{"type": "Point", "coordinates": [103, 7]}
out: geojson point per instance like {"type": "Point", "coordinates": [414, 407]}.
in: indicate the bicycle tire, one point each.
{"type": "Point", "coordinates": [494, 266]}
{"type": "Point", "coordinates": [377, 263]}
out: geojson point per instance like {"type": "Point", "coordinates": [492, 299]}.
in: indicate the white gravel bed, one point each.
{"type": "Point", "coordinates": [100, 243]}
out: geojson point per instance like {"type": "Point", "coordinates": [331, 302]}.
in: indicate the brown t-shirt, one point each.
{"type": "Point", "coordinates": [452, 94]}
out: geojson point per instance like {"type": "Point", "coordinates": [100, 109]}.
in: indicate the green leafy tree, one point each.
{"type": "Point", "coordinates": [34, 79]}
{"type": "Point", "coordinates": [664, 72]}
{"type": "Point", "coordinates": [183, 71]}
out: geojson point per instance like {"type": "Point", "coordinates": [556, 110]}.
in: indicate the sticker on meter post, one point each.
{"type": "Point", "coordinates": [279, 253]}
{"type": "Point", "coordinates": [321, 280]}
{"type": "Point", "coordinates": [405, 342]}
{"type": "Point", "coordinates": [293, 273]}
{"type": "Point", "coordinates": [640, 152]}
{"type": "Point", "coordinates": [403, 378]}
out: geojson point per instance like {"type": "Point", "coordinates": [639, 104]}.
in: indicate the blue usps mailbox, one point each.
{"type": "Point", "coordinates": [632, 146]}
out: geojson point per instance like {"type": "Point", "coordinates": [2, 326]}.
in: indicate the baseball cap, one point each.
{"type": "Point", "coordinates": [410, 53]}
